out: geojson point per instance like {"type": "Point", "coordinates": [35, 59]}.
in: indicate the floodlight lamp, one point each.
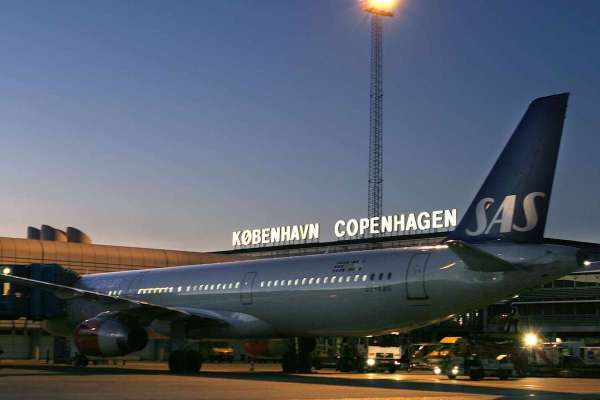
{"type": "Point", "coordinates": [384, 8]}
{"type": "Point", "coordinates": [530, 339]}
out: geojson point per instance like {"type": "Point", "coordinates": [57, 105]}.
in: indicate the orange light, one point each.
{"type": "Point", "coordinates": [381, 7]}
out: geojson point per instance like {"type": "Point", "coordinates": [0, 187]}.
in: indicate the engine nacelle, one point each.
{"type": "Point", "coordinates": [266, 349]}
{"type": "Point", "coordinates": [108, 337]}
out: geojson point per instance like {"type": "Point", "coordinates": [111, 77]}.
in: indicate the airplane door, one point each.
{"type": "Point", "coordinates": [246, 289]}
{"type": "Point", "coordinates": [135, 283]}
{"type": "Point", "coordinates": [415, 277]}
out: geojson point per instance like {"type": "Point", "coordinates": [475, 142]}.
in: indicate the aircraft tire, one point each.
{"type": "Point", "coordinates": [476, 375]}
{"type": "Point", "coordinates": [289, 364]}
{"type": "Point", "coordinates": [177, 362]}
{"type": "Point", "coordinates": [192, 362]}
{"type": "Point", "coordinates": [304, 363]}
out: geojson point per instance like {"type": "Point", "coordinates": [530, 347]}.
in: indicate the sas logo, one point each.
{"type": "Point", "coordinates": [504, 216]}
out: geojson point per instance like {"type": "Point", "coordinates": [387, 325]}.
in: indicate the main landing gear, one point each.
{"type": "Point", "coordinates": [299, 356]}
{"type": "Point", "coordinates": [182, 359]}
{"type": "Point", "coordinates": [185, 362]}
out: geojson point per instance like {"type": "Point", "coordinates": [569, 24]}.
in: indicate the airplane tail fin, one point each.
{"type": "Point", "coordinates": [513, 202]}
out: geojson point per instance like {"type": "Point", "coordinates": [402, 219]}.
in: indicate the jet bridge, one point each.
{"type": "Point", "coordinates": [34, 304]}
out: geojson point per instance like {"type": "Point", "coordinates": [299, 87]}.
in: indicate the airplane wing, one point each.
{"type": "Point", "coordinates": [477, 259]}
{"type": "Point", "coordinates": [143, 311]}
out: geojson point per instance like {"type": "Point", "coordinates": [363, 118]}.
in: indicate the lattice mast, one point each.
{"type": "Point", "coordinates": [376, 118]}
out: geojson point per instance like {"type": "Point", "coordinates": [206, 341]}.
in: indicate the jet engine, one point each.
{"type": "Point", "coordinates": [109, 337]}
{"type": "Point", "coordinates": [266, 349]}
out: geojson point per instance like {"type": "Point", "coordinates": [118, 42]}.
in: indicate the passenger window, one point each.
{"type": "Point", "coordinates": [348, 278]}
{"type": "Point", "coordinates": [289, 282]}
{"type": "Point", "coordinates": [389, 276]}
{"type": "Point", "coordinates": [310, 281]}
{"type": "Point", "coordinates": [224, 286]}
{"type": "Point", "coordinates": [178, 289]}
{"type": "Point", "coordinates": [364, 278]}
{"type": "Point", "coordinates": [262, 284]}
{"type": "Point", "coordinates": [303, 281]}
{"type": "Point", "coordinates": [381, 276]}
{"type": "Point", "coordinates": [237, 285]}
{"type": "Point", "coordinates": [356, 278]}
{"type": "Point", "coordinates": [333, 278]}
{"type": "Point", "coordinates": [276, 283]}
{"type": "Point", "coordinates": [296, 282]}
{"type": "Point", "coordinates": [212, 287]}
{"type": "Point", "coordinates": [200, 287]}
{"type": "Point", "coordinates": [318, 280]}
{"type": "Point", "coordinates": [218, 286]}
{"type": "Point", "coordinates": [268, 283]}
{"type": "Point", "coordinates": [372, 277]}
{"type": "Point", "coordinates": [325, 279]}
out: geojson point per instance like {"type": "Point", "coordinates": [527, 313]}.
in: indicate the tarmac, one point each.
{"type": "Point", "coordinates": [139, 380]}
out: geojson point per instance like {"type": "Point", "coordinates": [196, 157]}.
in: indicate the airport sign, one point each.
{"type": "Point", "coordinates": [352, 228]}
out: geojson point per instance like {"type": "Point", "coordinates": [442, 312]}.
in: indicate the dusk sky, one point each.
{"type": "Point", "coordinates": [173, 123]}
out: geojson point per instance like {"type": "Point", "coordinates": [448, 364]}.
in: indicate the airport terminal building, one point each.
{"type": "Point", "coordinates": [566, 308]}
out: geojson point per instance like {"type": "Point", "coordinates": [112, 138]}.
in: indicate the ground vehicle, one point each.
{"type": "Point", "coordinates": [221, 354]}
{"type": "Point", "coordinates": [475, 358]}
{"type": "Point", "coordinates": [359, 354]}
{"type": "Point", "coordinates": [418, 352]}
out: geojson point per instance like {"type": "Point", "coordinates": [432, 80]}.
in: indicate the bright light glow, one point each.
{"type": "Point", "coordinates": [454, 370]}
{"type": "Point", "coordinates": [6, 271]}
{"type": "Point", "coordinates": [381, 7]}
{"type": "Point", "coordinates": [385, 5]}
{"type": "Point", "coordinates": [371, 362]}
{"type": "Point", "coordinates": [530, 339]}
{"type": "Point", "coordinates": [437, 370]}
{"type": "Point", "coordinates": [558, 340]}
{"type": "Point", "coordinates": [587, 263]}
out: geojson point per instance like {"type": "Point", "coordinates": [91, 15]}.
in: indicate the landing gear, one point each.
{"type": "Point", "coordinates": [185, 362]}
{"type": "Point", "coordinates": [299, 356]}
{"type": "Point", "coordinates": [305, 348]}
{"type": "Point", "coordinates": [289, 362]}
{"type": "Point", "coordinates": [80, 361]}
{"type": "Point", "coordinates": [182, 360]}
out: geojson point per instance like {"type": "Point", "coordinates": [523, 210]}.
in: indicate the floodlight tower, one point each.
{"type": "Point", "coordinates": [379, 9]}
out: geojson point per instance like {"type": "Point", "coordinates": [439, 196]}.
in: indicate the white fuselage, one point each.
{"type": "Point", "coordinates": [341, 294]}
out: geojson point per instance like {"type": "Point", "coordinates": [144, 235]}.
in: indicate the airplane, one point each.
{"type": "Point", "coordinates": [278, 306]}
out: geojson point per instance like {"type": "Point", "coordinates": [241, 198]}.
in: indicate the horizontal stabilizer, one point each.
{"type": "Point", "coordinates": [479, 260]}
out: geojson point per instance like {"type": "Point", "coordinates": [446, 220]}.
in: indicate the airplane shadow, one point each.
{"type": "Point", "coordinates": [453, 387]}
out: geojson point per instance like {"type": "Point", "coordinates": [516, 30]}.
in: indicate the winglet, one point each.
{"type": "Point", "coordinates": [478, 260]}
